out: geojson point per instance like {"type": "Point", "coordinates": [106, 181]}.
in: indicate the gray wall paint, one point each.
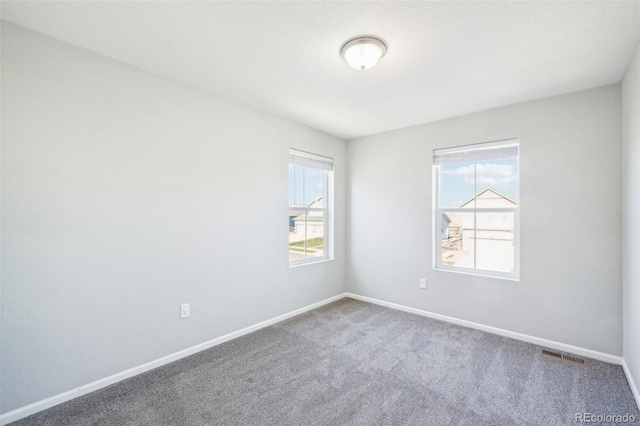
{"type": "Point", "coordinates": [570, 288]}
{"type": "Point", "coordinates": [630, 215]}
{"type": "Point", "coordinates": [125, 195]}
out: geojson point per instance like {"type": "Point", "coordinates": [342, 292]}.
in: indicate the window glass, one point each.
{"type": "Point", "coordinates": [308, 207]}
{"type": "Point", "coordinates": [476, 199]}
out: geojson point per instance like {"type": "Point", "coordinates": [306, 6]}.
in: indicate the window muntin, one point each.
{"type": "Point", "coordinates": [309, 180]}
{"type": "Point", "coordinates": [476, 209]}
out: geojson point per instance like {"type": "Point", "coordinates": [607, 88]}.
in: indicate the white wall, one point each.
{"type": "Point", "coordinates": [630, 216]}
{"type": "Point", "coordinates": [125, 195]}
{"type": "Point", "coordinates": [570, 209]}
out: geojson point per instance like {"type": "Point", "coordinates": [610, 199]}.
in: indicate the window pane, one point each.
{"type": "Point", "coordinates": [501, 176]}
{"type": "Point", "coordinates": [458, 239]}
{"type": "Point", "coordinates": [494, 242]}
{"type": "Point", "coordinates": [306, 186]}
{"type": "Point", "coordinates": [297, 234]}
{"type": "Point", "coordinates": [315, 234]}
{"type": "Point", "coordinates": [313, 186]}
{"type": "Point", "coordinates": [461, 182]}
{"type": "Point", "coordinates": [457, 181]}
{"type": "Point", "coordinates": [306, 234]}
{"type": "Point", "coordinates": [296, 185]}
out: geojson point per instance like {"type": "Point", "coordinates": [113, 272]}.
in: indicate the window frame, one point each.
{"type": "Point", "coordinates": [439, 211]}
{"type": "Point", "coordinates": [325, 165]}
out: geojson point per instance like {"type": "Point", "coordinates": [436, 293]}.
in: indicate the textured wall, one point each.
{"type": "Point", "coordinates": [570, 209]}
{"type": "Point", "coordinates": [630, 215]}
{"type": "Point", "coordinates": [124, 195]}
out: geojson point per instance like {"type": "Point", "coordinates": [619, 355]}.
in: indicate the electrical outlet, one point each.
{"type": "Point", "coordinates": [185, 310]}
{"type": "Point", "coordinates": [423, 283]}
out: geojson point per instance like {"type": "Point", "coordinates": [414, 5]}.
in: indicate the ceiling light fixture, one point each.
{"type": "Point", "coordinates": [362, 53]}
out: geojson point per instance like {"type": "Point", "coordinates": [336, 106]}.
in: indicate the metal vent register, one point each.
{"type": "Point", "coordinates": [566, 357]}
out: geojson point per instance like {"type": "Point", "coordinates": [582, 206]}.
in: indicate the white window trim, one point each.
{"type": "Point", "coordinates": [437, 224]}
{"type": "Point", "coordinates": [307, 159]}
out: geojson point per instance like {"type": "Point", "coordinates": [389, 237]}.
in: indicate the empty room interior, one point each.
{"type": "Point", "coordinates": [327, 213]}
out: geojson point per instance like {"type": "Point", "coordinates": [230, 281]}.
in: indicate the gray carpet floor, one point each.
{"type": "Point", "coordinates": [354, 363]}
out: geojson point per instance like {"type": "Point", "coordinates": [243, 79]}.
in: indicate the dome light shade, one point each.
{"type": "Point", "coordinates": [363, 52]}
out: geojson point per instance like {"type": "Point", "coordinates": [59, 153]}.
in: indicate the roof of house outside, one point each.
{"type": "Point", "coordinates": [491, 197]}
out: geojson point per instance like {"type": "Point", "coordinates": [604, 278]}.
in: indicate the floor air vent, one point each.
{"type": "Point", "coordinates": [570, 358]}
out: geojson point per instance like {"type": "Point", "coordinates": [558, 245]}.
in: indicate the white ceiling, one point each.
{"type": "Point", "coordinates": [444, 59]}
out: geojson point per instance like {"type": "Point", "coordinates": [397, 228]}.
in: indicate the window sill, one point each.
{"type": "Point", "coordinates": [509, 277]}
{"type": "Point", "coordinates": [310, 262]}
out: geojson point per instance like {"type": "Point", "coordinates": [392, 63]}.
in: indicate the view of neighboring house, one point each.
{"type": "Point", "coordinates": [481, 238]}
{"type": "Point", "coordinates": [307, 226]}
{"type": "Point", "coordinates": [314, 224]}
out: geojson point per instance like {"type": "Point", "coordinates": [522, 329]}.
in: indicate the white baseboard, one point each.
{"type": "Point", "coordinates": [632, 383]}
{"type": "Point", "coordinates": [35, 407]}
{"type": "Point", "coordinates": [613, 359]}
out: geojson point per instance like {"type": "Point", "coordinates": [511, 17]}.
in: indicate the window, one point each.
{"type": "Point", "coordinates": [476, 209]}
{"type": "Point", "coordinates": [310, 180]}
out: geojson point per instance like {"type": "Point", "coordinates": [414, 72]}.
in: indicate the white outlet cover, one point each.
{"type": "Point", "coordinates": [185, 310]}
{"type": "Point", "coordinates": [423, 283]}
